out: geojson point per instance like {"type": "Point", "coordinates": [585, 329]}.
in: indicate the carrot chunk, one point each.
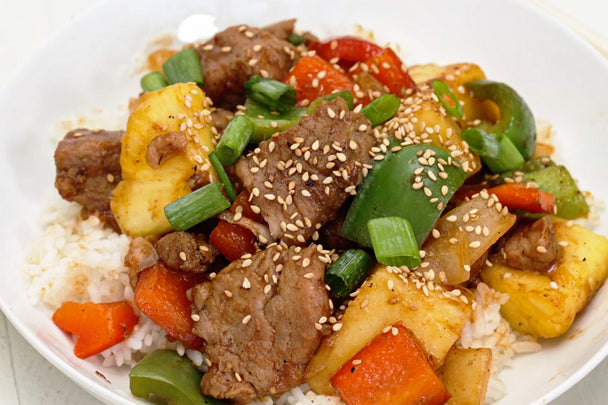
{"type": "Point", "coordinates": [98, 326]}
{"type": "Point", "coordinates": [232, 240]}
{"type": "Point", "coordinates": [161, 294]}
{"type": "Point", "coordinates": [391, 369]}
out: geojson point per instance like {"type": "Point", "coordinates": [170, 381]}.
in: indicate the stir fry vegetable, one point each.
{"type": "Point", "coordinates": [97, 326]}
{"type": "Point", "coordinates": [405, 184]}
{"type": "Point", "coordinates": [167, 375]}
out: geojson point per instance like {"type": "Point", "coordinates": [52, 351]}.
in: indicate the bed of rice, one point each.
{"type": "Point", "coordinates": [80, 260]}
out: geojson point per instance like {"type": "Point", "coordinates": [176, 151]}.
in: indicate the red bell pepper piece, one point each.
{"type": "Point", "coordinates": [242, 200]}
{"type": "Point", "coordinates": [161, 294]}
{"type": "Point", "coordinates": [347, 50]}
{"type": "Point", "coordinates": [233, 241]}
{"type": "Point", "coordinates": [98, 326]}
{"type": "Point", "coordinates": [519, 196]}
{"type": "Point", "coordinates": [313, 77]}
{"type": "Point", "coordinates": [391, 369]}
{"type": "Point", "coordinates": [388, 69]}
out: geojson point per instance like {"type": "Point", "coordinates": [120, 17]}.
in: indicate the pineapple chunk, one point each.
{"type": "Point", "coordinates": [466, 373]}
{"type": "Point", "coordinates": [139, 199]}
{"type": "Point", "coordinates": [455, 76]}
{"type": "Point", "coordinates": [435, 318]}
{"type": "Point", "coordinates": [545, 305]}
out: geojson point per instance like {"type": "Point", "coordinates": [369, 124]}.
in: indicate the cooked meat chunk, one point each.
{"type": "Point", "coordinates": [532, 246]}
{"type": "Point", "coordinates": [259, 320]}
{"type": "Point", "coordinates": [186, 251]}
{"type": "Point", "coordinates": [88, 169]}
{"type": "Point", "coordinates": [281, 29]}
{"type": "Point", "coordinates": [140, 256]}
{"type": "Point", "coordinates": [164, 147]}
{"type": "Point", "coordinates": [300, 177]}
{"type": "Point", "coordinates": [227, 61]}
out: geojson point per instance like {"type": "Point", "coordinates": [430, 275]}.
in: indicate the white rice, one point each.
{"type": "Point", "coordinates": [80, 260]}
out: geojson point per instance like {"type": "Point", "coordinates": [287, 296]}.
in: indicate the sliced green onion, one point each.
{"type": "Point", "coordinates": [441, 90]}
{"type": "Point", "coordinates": [295, 39]}
{"type": "Point", "coordinates": [394, 242]}
{"type": "Point", "coordinates": [270, 92]}
{"type": "Point", "coordinates": [234, 139]}
{"type": "Point", "coordinates": [509, 159]}
{"type": "Point", "coordinates": [196, 207]}
{"type": "Point", "coordinates": [266, 122]}
{"type": "Point", "coordinates": [153, 81]}
{"type": "Point", "coordinates": [221, 173]}
{"type": "Point", "coordinates": [381, 109]}
{"type": "Point", "coordinates": [347, 273]}
{"type": "Point", "coordinates": [481, 142]}
{"type": "Point", "coordinates": [184, 66]}
{"type": "Point", "coordinates": [345, 94]}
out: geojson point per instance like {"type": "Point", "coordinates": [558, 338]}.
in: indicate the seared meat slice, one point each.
{"type": "Point", "coordinates": [300, 177]}
{"type": "Point", "coordinates": [186, 252]}
{"type": "Point", "coordinates": [232, 56]}
{"type": "Point", "coordinates": [532, 246]}
{"type": "Point", "coordinates": [259, 318]}
{"type": "Point", "coordinates": [88, 169]}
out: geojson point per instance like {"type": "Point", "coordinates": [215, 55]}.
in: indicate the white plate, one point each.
{"type": "Point", "coordinates": [91, 64]}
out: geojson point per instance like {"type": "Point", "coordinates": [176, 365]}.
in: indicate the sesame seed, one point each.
{"type": "Point", "coordinates": [308, 276]}
{"type": "Point", "coordinates": [336, 327]}
{"type": "Point", "coordinates": [554, 285]}
{"type": "Point", "coordinates": [246, 283]}
{"type": "Point", "coordinates": [195, 317]}
{"type": "Point", "coordinates": [182, 255]}
{"type": "Point", "coordinates": [475, 244]}
{"type": "Point", "coordinates": [238, 377]}
{"type": "Point", "coordinates": [331, 113]}
{"type": "Point", "coordinates": [541, 249]}
{"type": "Point", "coordinates": [246, 320]}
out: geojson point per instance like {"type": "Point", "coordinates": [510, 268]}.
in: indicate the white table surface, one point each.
{"type": "Point", "coordinates": [26, 378]}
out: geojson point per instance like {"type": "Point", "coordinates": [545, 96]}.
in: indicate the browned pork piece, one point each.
{"type": "Point", "coordinates": [260, 319]}
{"type": "Point", "coordinates": [232, 56]}
{"type": "Point", "coordinates": [186, 251]}
{"type": "Point", "coordinates": [300, 177]}
{"type": "Point", "coordinates": [88, 169]}
{"type": "Point", "coordinates": [532, 246]}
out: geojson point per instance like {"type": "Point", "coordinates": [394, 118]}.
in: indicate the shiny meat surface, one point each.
{"type": "Point", "coordinates": [88, 169]}
{"type": "Point", "coordinates": [300, 177]}
{"type": "Point", "coordinates": [257, 318]}
{"type": "Point", "coordinates": [227, 61]}
{"type": "Point", "coordinates": [532, 246]}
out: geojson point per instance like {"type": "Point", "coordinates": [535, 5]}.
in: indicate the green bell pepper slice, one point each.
{"type": "Point", "coordinates": [405, 184]}
{"type": "Point", "coordinates": [167, 375]}
{"type": "Point", "coordinates": [516, 119]}
{"type": "Point", "coordinates": [557, 180]}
